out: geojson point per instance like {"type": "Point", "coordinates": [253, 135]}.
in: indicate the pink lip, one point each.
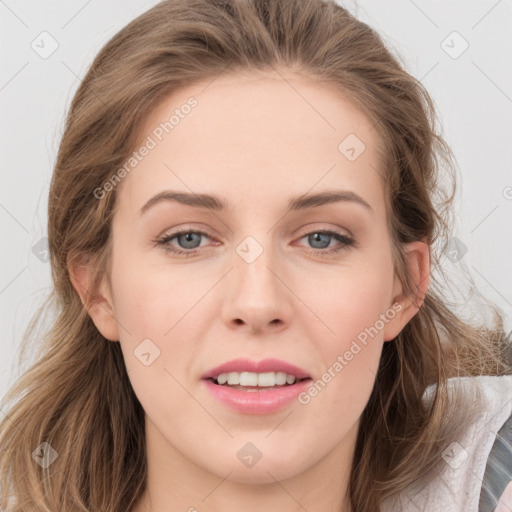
{"type": "Point", "coordinates": [266, 365]}
{"type": "Point", "coordinates": [260, 401]}
{"type": "Point", "coordinates": [256, 402]}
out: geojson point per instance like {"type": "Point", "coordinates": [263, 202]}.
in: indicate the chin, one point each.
{"type": "Point", "coordinates": [269, 465]}
{"type": "Point", "coordinates": [260, 474]}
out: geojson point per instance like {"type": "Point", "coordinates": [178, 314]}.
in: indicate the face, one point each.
{"type": "Point", "coordinates": [311, 285]}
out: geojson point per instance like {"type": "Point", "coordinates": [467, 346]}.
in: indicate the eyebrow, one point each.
{"type": "Point", "coordinates": [302, 202]}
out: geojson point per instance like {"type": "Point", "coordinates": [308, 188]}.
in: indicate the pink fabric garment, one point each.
{"type": "Point", "coordinates": [505, 504]}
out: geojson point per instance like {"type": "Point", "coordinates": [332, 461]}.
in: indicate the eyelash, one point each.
{"type": "Point", "coordinates": [346, 243]}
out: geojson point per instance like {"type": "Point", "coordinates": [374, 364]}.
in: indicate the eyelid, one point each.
{"type": "Point", "coordinates": [185, 229]}
{"type": "Point", "coordinates": [307, 231]}
{"type": "Point", "coordinates": [345, 242]}
{"type": "Point", "coordinates": [315, 227]}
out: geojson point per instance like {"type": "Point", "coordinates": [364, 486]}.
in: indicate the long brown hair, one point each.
{"type": "Point", "coordinates": [76, 395]}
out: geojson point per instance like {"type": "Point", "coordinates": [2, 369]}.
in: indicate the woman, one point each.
{"type": "Point", "coordinates": [250, 368]}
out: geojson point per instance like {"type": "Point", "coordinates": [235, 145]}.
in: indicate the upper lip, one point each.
{"type": "Point", "coordinates": [265, 365]}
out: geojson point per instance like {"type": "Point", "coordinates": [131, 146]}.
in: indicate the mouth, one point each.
{"type": "Point", "coordinates": [256, 387]}
{"type": "Point", "coordinates": [244, 397]}
{"type": "Point", "coordinates": [253, 382]}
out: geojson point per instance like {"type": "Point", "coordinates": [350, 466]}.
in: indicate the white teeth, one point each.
{"type": "Point", "coordinates": [280, 378]}
{"type": "Point", "coordinates": [248, 379]}
{"type": "Point", "coordinates": [267, 379]}
{"type": "Point", "coordinates": [222, 378]}
{"type": "Point", "coordinates": [233, 378]}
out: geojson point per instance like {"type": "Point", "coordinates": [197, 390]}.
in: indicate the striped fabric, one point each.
{"type": "Point", "coordinates": [498, 471]}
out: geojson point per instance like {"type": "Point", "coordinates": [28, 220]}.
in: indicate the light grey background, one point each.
{"type": "Point", "coordinates": [473, 94]}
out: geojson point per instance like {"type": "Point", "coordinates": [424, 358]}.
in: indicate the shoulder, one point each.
{"type": "Point", "coordinates": [457, 483]}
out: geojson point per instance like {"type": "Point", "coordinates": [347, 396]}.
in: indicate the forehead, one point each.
{"type": "Point", "coordinates": [257, 134]}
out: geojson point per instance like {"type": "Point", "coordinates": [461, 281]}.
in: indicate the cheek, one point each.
{"type": "Point", "coordinates": [154, 344]}
{"type": "Point", "coordinates": [347, 301]}
{"type": "Point", "coordinates": [352, 311]}
{"type": "Point", "coordinates": [354, 346]}
{"type": "Point", "coordinates": [157, 309]}
{"type": "Point", "coordinates": [148, 300]}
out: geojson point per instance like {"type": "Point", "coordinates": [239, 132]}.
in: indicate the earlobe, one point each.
{"type": "Point", "coordinates": [406, 305]}
{"type": "Point", "coordinates": [98, 302]}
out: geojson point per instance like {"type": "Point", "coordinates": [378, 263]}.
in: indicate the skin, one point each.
{"type": "Point", "coordinates": [256, 142]}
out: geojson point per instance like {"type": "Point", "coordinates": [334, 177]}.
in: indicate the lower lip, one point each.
{"type": "Point", "coordinates": [256, 402]}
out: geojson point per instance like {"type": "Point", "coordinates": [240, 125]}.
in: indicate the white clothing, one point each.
{"type": "Point", "coordinates": [457, 486]}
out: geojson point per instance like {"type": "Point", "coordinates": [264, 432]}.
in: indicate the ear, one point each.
{"type": "Point", "coordinates": [98, 302]}
{"type": "Point", "coordinates": [417, 256]}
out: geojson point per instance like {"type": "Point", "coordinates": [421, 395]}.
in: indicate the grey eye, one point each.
{"type": "Point", "coordinates": [316, 237]}
{"type": "Point", "coordinates": [187, 240]}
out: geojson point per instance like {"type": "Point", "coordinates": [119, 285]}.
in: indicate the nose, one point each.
{"type": "Point", "coordinates": [257, 292]}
